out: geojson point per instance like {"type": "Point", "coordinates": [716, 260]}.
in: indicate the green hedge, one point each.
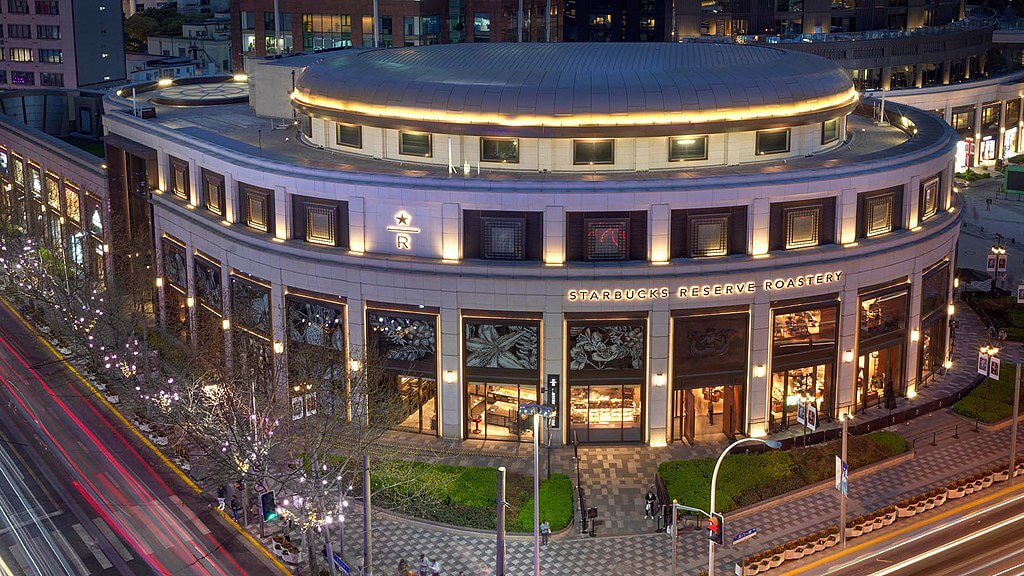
{"type": "Point", "coordinates": [555, 505]}
{"type": "Point", "coordinates": [992, 400]}
{"type": "Point", "coordinates": [465, 495]}
{"type": "Point", "coordinates": [746, 479]}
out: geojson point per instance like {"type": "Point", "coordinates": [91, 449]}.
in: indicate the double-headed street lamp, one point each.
{"type": "Point", "coordinates": [714, 480]}
{"type": "Point", "coordinates": [538, 411]}
{"type": "Point", "coordinates": [998, 262]}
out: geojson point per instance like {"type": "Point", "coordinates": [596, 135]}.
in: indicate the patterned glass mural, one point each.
{"type": "Point", "coordinates": [316, 324]}
{"type": "Point", "coordinates": [174, 264]}
{"type": "Point", "coordinates": [403, 338]}
{"type": "Point", "coordinates": [511, 346]}
{"type": "Point", "coordinates": [250, 305]}
{"type": "Point", "coordinates": [208, 285]}
{"type": "Point", "coordinates": [609, 347]}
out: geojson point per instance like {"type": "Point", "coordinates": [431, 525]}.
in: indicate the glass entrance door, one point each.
{"type": "Point", "coordinates": [790, 388]}
{"type": "Point", "coordinates": [879, 372]}
{"type": "Point", "coordinates": [609, 413]}
{"type": "Point", "coordinates": [418, 397]}
{"type": "Point", "coordinates": [678, 413]}
{"type": "Point", "coordinates": [493, 411]}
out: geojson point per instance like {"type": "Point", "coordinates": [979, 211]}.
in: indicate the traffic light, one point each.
{"type": "Point", "coordinates": [716, 529]}
{"type": "Point", "coordinates": [268, 505]}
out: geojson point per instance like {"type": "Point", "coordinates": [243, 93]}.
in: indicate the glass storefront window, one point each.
{"type": "Point", "coordinates": [804, 330]}
{"type": "Point", "coordinates": [418, 398]}
{"type": "Point", "coordinates": [935, 290]}
{"type": "Point", "coordinates": [791, 388]}
{"type": "Point", "coordinates": [493, 411]}
{"type": "Point", "coordinates": [880, 372]}
{"type": "Point", "coordinates": [933, 350]}
{"type": "Point", "coordinates": [883, 315]}
{"type": "Point", "coordinates": [606, 413]}
{"type": "Point", "coordinates": [406, 343]}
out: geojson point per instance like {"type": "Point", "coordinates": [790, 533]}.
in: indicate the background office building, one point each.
{"type": "Point", "coordinates": [61, 44]}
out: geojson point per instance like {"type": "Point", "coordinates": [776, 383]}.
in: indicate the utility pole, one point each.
{"type": "Point", "coordinates": [499, 560]}
{"type": "Point", "coordinates": [367, 533]}
{"type": "Point", "coordinates": [376, 24]}
{"type": "Point", "coordinates": [1013, 425]}
{"type": "Point", "coordinates": [842, 493]}
{"type": "Point", "coordinates": [519, 22]}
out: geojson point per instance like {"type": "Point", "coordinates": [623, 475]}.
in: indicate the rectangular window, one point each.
{"type": "Point", "coordinates": [607, 239]}
{"type": "Point", "coordinates": [878, 211]}
{"type": "Point", "coordinates": [17, 6]}
{"type": "Point", "coordinates": [802, 226]}
{"type": "Point", "coordinates": [21, 54]}
{"type": "Point", "coordinates": [708, 235]}
{"type": "Point", "coordinates": [414, 144]}
{"type": "Point", "coordinates": [593, 152]}
{"type": "Point", "coordinates": [772, 142]}
{"type": "Point", "coordinates": [53, 191]}
{"type": "Point", "coordinates": [962, 119]}
{"type": "Point", "coordinates": [51, 7]}
{"type": "Point", "coordinates": [179, 179]}
{"type": "Point", "coordinates": [829, 131]}
{"type": "Point", "coordinates": [321, 222]}
{"type": "Point", "coordinates": [688, 148]}
{"type": "Point", "coordinates": [499, 150]}
{"type": "Point", "coordinates": [21, 78]}
{"type": "Point", "coordinates": [51, 56]}
{"type": "Point", "coordinates": [19, 31]}
{"type": "Point", "coordinates": [51, 79]}
{"type": "Point", "coordinates": [258, 207]}
{"type": "Point", "coordinates": [350, 135]}
{"type": "Point", "coordinates": [481, 27]}
{"type": "Point", "coordinates": [502, 238]}
{"type": "Point", "coordinates": [48, 32]}
{"type": "Point", "coordinates": [929, 198]}
{"type": "Point", "coordinates": [72, 202]}
{"type": "Point", "coordinates": [213, 192]}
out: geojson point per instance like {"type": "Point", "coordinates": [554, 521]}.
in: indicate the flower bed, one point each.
{"type": "Point", "coordinates": [795, 549]}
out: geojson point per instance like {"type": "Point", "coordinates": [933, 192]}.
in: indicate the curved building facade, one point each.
{"type": "Point", "coordinates": [663, 241]}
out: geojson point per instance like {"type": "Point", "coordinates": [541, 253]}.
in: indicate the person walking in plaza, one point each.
{"type": "Point", "coordinates": [650, 501]}
{"type": "Point", "coordinates": [235, 507]}
{"type": "Point", "coordinates": [545, 532]}
{"type": "Point", "coordinates": [403, 567]}
{"type": "Point", "coordinates": [424, 566]}
{"type": "Point", "coordinates": [435, 567]}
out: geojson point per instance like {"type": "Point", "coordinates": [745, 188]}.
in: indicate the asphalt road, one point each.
{"type": "Point", "coordinates": [986, 539]}
{"type": "Point", "coordinates": [79, 495]}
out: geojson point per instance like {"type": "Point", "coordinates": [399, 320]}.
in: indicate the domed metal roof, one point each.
{"type": "Point", "coordinates": [603, 88]}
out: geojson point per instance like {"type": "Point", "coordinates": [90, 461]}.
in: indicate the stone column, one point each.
{"type": "Point", "coordinates": [554, 235]}
{"type": "Point", "coordinates": [659, 221]}
{"type": "Point", "coordinates": [195, 182]}
{"type": "Point", "coordinates": [946, 65]}
{"type": "Point", "coordinates": [846, 382]}
{"type": "Point", "coordinates": [657, 374]}
{"type": "Point", "coordinates": [282, 214]}
{"type": "Point", "coordinates": [759, 387]}
{"type": "Point", "coordinates": [232, 211]}
{"type": "Point", "coordinates": [847, 217]}
{"type": "Point", "coordinates": [757, 230]}
{"type": "Point", "coordinates": [553, 330]}
{"type": "Point", "coordinates": [918, 75]}
{"type": "Point", "coordinates": [163, 163]}
{"type": "Point", "coordinates": [886, 77]}
{"type": "Point", "coordinates": [450, 393]}
{"type": "Point", "coordinates": [278, 337]}
{"type": "Point", "coordinates": [914, 325]}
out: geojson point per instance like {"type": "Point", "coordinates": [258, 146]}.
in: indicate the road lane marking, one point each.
{"type": "Point", "coordinates": [72, 554]}
{"type": "Point", "coordinates": [23, 560]}
{"type": "Point", "coordinates": [949, 545]}
{"type": "Point", "coordinates": [113, 539]}
{"type": "Point", "coordinates": [94, 547]}
{"type": "Point", "coordinates": [23, 523]}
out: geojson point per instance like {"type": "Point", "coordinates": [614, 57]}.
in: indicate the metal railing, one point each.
{"type": "Point", "coordinates": [965, 25]}
{"type": "Point", "coordinates": [940, 433]}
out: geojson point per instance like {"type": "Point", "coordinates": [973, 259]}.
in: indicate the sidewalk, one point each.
{"type": "Point", "coordinates": [619, 475]}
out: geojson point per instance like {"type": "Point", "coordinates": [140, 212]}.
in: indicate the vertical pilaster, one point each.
{"type": "Point", "coordinates": [451, 232]}
{"type": "Point", "coordinates": [357, 224]}
{"type": "Point", "coordinates": [195, 182]}
{"type": "Point", "coordinates": [659, 218]}
{"type": "Point", "coordinates": [554, 235]}
{"type": "Point", "coordinates": [847, 216]}
{"type": "Point", "coordinates": [758, 228]}
{"type": "Point", "coordinates": [553, 333]}
{"type": "Point", "coordinates": [657, 377]}
{"type": "Point", "coordinates": [232, 211]}
{"type": "Point", "coordinates": [450, 393]}
{"type": "Point", "coordinates": [759, 387]}
{"type": "Point", "coordinates": [282, 214]}
{"type": "Point", "coordinates": [846, 379]}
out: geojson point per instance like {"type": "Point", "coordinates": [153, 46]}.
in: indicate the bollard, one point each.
{"type": "Point", "coordinates": [956, 432]}
{"type": "Point", "coordinates": [934, 434]}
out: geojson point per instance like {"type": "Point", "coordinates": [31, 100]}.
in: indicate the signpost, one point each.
{"type": "Point", "coordinates": [745, 535]}
{"type": "Point", "coordinates": [552, 396]}
{"type": "Point", "coordinates": [988, 362]}
{"type": "Point", "coordinates": [842, 476]}
{"type": "Point", "coordinates": [812, 417]}
{"type": "Point", "coordinates": [1020, 294]}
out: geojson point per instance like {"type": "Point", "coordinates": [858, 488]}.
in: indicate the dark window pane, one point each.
{"type": "Point", "coordinates": [350, 135]}
{"type": "Point", "coordinates": [411, 144]}
{"type": "Point", "coordinates": [495, 150]}
{"type": "Point", "coordinates": [830, 131]}
{"type": "Point", "coordinates": [773, 142]}
{"type": "Point", "coordinates": [593, 151]}
{"type": "Point", "coordinates": [688, 148]}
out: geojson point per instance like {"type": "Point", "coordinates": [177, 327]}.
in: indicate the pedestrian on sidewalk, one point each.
{"type": "Point", "coordinates": [235, 507]}
{"type": "Point", "coordinates": [545, 532]}
{"type": "Point", "coordinates": [650, 500]}
{"type": "Point", "coordinates": [221, 495]}
{"type": "Point", "coordinates": [435, 567]}
{"type": "Point", "coordinates": [424, 566]}
{"type": "Point", "coordinates": [403, 567]}
{"type": "Point", "coordinates": [988, 204]}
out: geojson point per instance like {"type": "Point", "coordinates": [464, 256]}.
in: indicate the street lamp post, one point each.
{"type": "Point", "coordinates": [999, 253]}
{"type": "Point", "coordinates": [714, 481]}
{"type": "Point", "coordinates": [537, 411]}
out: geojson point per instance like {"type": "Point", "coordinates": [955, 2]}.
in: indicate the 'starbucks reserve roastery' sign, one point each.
{"type": "Point", "coordinates": [701, 290]}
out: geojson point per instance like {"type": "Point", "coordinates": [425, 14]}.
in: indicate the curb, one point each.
{"type": "Point", "coordinates": [252, 542]}
{"type": "Point", "coordinates": [819, 486]}
{"type": "Point", "coordinates": [469, 532]}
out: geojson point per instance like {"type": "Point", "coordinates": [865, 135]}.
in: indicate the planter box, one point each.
{"type": "Point", "coordinates": [957, 493]}
{"type": "Point", "coordinates": [1001, 476]}
{"type": "Point", "coordinates": [795, 554]}
{"type": "Point", "coordinates": [853, 532]}
{"type": "Point", "coordinates": [906, 512]}
{"type": "Point", "coordinates": [776, 561]}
